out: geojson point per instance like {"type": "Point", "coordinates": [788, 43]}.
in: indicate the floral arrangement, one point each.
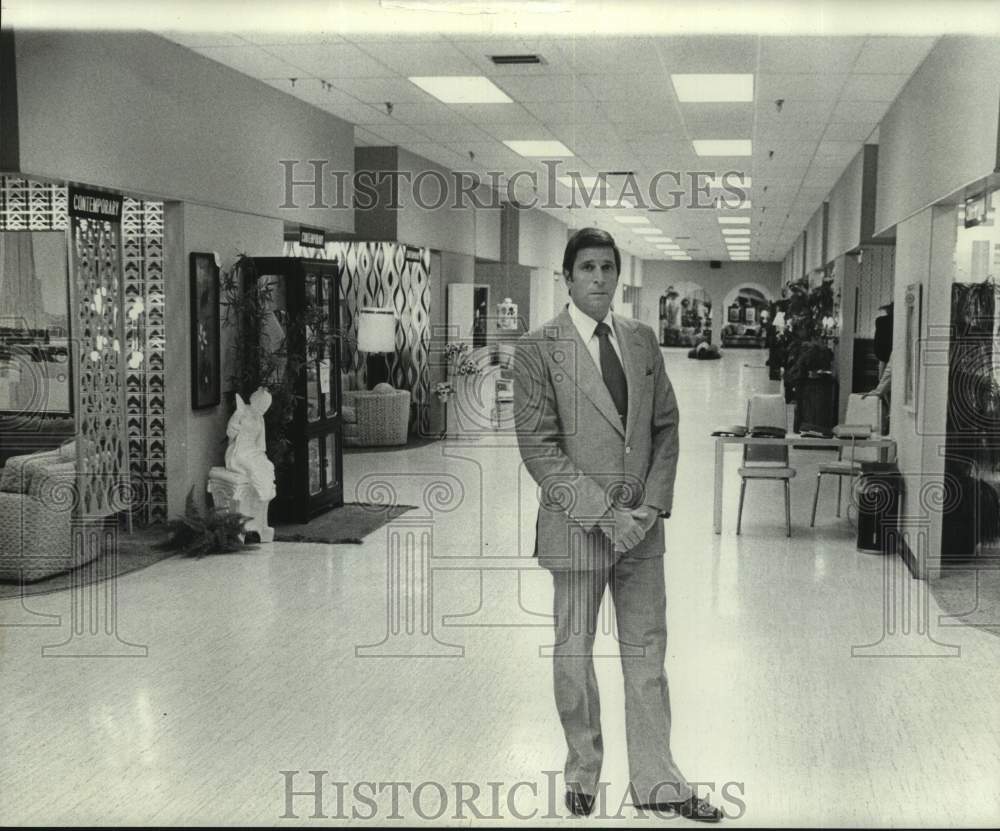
{"type": "Point", "coordinates": [459, 363]}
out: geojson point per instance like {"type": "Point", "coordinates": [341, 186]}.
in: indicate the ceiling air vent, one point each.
{"type": "Point", "coordinates": [516, 60]}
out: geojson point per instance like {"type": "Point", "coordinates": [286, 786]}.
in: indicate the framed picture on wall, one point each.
{"type": "Point", "coordinates": [751, 314]}
{"type": "Point", "coordinates": [734, 314]}
{"type": "Point", "coordinates": [206, 377]}
{"type": "Point", "coordinates": [911, 350]}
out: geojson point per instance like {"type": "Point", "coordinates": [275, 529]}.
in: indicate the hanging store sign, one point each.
{"type": "Point", "coordinates": [85, 203]}
{"type": "Point", "coordinates": [312, 237]}
{"type": "Point", "coordinates": [976, 210]}
{"type": "Point", "coordinates": [413, 255]}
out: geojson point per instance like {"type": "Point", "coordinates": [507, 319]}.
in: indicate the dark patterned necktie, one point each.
{"type": "Point", "coordinates": [611, 369]}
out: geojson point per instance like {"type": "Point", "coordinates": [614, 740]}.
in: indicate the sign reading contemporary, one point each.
{"type": "Point", "coordinates": [312, 237]}
{"type": "Point", "coordinates": [85, 203]}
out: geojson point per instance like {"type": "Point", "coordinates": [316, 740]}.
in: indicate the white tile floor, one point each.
{"type": "Point", "coordinates": [253, 666]}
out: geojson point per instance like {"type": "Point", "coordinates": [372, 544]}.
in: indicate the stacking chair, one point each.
{"type": "Point", "coordinates": [762, 461]}
{"type": "Point", "coordinates": [861, 412]}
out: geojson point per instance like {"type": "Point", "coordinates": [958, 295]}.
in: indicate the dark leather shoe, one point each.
{"type": "Point", "coordinates": [693, 808]}
{"type": "Point", "coordinates": [580, 804]}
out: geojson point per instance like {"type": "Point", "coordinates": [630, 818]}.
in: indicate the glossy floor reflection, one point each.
{"type": "Point", "coordinates": [800, 696]}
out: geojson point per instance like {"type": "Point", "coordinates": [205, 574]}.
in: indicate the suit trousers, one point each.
{"type": "Point", "coordinates": [637, 588]}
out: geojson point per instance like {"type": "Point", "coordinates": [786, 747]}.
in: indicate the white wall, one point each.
{"type": "Point", "coordinates": [135, 112]}
{"type": "Point", "coordinates": [196, 438]}
{"type": "Point", "coordinates": [941, 132]}
{"type": "Point", "coordinates": [463, 229]}
{"type": "Point", "coordinates": [815, 251]}
{"type": "Point", "coordinates": [541, 240]}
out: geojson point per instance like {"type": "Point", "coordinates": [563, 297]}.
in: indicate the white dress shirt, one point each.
{"type": "Point", "coordinates": [586, 325]}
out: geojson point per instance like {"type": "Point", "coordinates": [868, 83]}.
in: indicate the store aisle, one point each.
{"type": "Point", "coordinates": [306, 658]}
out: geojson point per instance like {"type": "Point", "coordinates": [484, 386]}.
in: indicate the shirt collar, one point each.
{"type": "Point", "coordinates": [586, 325]}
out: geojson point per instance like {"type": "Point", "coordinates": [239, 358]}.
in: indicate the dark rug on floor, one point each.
{"type": "Point", "coordinates": [135, 551]}
{"type": "Point", "coordinates": [347, 524]}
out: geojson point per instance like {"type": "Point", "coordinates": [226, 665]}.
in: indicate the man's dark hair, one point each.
{"type": "Point", "coordinates": [589, 238]}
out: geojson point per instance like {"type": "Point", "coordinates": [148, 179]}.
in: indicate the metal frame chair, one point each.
{"type": "Point", "coordinates": [861, 411]}
{"type": "Point", "coordinates": [766, 461]}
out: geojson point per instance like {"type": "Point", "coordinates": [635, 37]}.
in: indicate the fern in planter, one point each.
{"type": "Point", "coordinates": [212, 531]}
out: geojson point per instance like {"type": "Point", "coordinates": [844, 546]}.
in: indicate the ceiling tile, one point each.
{"type": "Point", "coordinates": [250, 60]}
{"type": "Point", "coordinates": [772, 132]}
{"type": "Point", "coordinates": [495, 114]}
{"type": "Point", "coordinates": [359, 114]}
{"type": "Point", "coordinates": [873, 87]}
{"type": "Point", "coordinates": [567, 112]}
{"type": "Point", "coordinates": [330, 60]}
{"type": "Point", "coordinates": [545, 88]}
{"type": "Point", "coordinates": [601, 55]}
{"type": "Point", "coordinates": [654, 87]}
{"type": "Point", "coordinates": [454, 132]}
{"type": "Point", "coordinates": [286, 38]}
{"type": "Point", "coordinates": [195, 40]}
{"type": "Point", "coordinates": [379, 90]}
{"type": "Point", "coordinates": [424, 112]}
{"type": "Point", "coordinates": [808, 55]}
{"type": "Point", "coordinates": [799, 87]}
{"type": "Point", "coordinates": [716, 53]}
{"type": "Point", "coordinates": [865, 111]}
{"type": "Point", "coordinates": [534, 131]}
{"type": "Point", "coordinates": [417, 59]}
{"type": "Point", "coordinates": [894, 55]}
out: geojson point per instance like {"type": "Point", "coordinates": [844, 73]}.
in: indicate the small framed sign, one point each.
{"type": "Point", "coordinates": [206, 375]}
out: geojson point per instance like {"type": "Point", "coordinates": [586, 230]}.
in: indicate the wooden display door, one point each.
{"type": "Point", "coordinates": [306, 301]}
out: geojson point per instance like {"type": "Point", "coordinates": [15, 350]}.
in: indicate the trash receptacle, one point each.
{"type": "Point", "coordinates": [877, 494]}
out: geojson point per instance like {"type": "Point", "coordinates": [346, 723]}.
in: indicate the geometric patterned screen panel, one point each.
{"type": "Point", "coordinates": [99, 367]}
{"type": "Point", "coordinates": [145, 342]}
{"type": "Point", "coordinates": [387, 274]}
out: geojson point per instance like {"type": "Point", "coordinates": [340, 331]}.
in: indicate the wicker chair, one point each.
{"type": "Point", "coordinates": [36, 500]}
{"type": "Point", "coordinates": [375, 418]}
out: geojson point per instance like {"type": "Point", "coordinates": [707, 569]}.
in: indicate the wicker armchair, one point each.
{"type": "Point", "coordinates": [36, 500]}
{"type": "Point", "coordinates": [376, 418]}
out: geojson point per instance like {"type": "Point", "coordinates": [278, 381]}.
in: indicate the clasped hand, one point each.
{"type": "Point", "coordinates": [629, 526]}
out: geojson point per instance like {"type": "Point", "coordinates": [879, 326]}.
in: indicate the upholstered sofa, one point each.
{"type": "Point", "coordinates": [36, 504]}
{"type": "Point", "coordinates": [376, 418]}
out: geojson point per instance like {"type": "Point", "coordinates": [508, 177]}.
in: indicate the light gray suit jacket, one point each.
{"type": "Point", "coordinates": [575, 447]}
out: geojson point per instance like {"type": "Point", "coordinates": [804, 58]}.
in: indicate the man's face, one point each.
{"type": "Point", "coordinates": [593, 281]}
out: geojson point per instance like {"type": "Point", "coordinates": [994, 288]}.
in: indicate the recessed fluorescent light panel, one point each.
{"type": "Point", "coordinates": [646, 231]}
{"type": "Point", "coordinates": [735, 232]}
{"type": "Point", "coordinates": [462, 89]}
{"type": "Point", "coordinates": [723, 147]}
{"type": "Point", "coordinates": [530, 148]}
{"type": "Point", "coordinates": [632, 220]}
{"type": "Point", "coordinates": [713, 88]}
{"type": "Point", "coordinates": [734, 220]}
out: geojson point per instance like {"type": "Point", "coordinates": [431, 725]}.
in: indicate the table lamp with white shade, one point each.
{"type": "Point", "coordinates": [377, 333]}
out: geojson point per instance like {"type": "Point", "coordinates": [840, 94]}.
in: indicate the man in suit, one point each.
{"type": "Point", "coordinates": [596, 422]}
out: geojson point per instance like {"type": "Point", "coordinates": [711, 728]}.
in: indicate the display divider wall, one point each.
{"type": "Point", "coordinates": [28, 204]}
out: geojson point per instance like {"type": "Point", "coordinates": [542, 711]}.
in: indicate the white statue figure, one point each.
{"type": "Point", "coordinates": [246, 484]}
{"type": "Point", "coordinates": [246, 452]}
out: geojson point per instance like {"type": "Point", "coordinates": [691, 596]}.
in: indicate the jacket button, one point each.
{"type": "Point", "coordinates": [628, 449]}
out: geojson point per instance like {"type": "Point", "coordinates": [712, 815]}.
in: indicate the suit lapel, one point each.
{"type": "Point", "coordinates": [633, 356]}
{"type": "Point", "coordinates": [581, 368]}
